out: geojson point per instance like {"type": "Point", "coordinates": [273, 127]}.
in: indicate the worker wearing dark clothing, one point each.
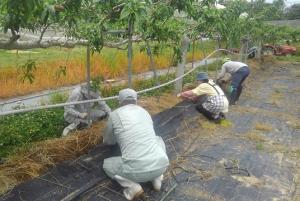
{"type": "Point", "coordinates": [239, 72]}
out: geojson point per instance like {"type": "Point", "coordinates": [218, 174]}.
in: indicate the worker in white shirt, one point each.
{"type": "Point", "coordinates": [143, 156]}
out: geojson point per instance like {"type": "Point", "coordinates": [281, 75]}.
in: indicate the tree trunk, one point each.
{"type": "Point", "coordinates": [193, 53]}
{"type": "Point", "coordinates": [259, 49]}
{"type": "Point", "coordinates": [30, 41]}
{"type": "Point", "coordinates": [218, 45]}
{"type": "Point", "coordinates": [88, 76]}
{"type": "Point", "coordinates": [181, 64]}
{"type": "Point", "coordinates": [246, 52]}
{"type": "Point", "coordinates": [204, 54]}
{"type": "Point", "coordinates": [152, 64]}
{"type": "Point", "coordinates": [243, 49]}
{"type": "Point", "coordinates": [129, 54]}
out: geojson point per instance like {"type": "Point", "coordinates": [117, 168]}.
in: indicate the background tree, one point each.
{"type": "Point", "coordinates": [230, 25]}
{"type": "Point", "coordinates": [293, 12]}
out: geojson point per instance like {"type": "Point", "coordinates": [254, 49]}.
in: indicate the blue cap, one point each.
{"type": "Point", "coordinates": [202, 76]}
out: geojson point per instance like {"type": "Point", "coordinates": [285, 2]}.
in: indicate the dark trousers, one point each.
{"type": "Point", "coordinates": [209, 115]}
{"type": "Point", "coordinates": [236, 83]}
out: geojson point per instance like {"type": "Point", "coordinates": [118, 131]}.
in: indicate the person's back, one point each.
{"type": "Point", "coordinates": [233, 66]}
{"type": "Point", "coordinates": [239, 72]}
{"type": "Point", "coordinates": [143, 154]}
{"type": "Point", "coordinates": [134, 132]}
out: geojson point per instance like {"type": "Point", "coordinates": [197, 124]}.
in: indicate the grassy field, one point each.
{"type": "Point", "coordinates": [111, 63]}
{"type": "Point", "coordinates": [14, 58]}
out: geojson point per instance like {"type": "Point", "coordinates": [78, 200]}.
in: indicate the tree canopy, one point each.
{"type": "Point", "coordinates": [112, 23]}
{"type": "Point", "coordinates": [293, 12]}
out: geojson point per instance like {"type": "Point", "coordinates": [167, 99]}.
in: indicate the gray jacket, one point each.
{"type": "Point", "coordinates": [72, 112]}
{"type": "Point", "coordinates": [131, 127]}
{"type": "Point", "coordinates": [230, 67]}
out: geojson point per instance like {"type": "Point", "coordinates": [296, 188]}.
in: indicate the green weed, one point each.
{"type": "Point", "coordinates": [18, 130]}
{"type": "Point", "coordinates": [226, 123]}
{"type": "Point", "coordinates": [58, 98]}
{"type": "Point", "coordinates": [260, 146]}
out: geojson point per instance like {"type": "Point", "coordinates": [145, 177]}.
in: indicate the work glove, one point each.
{"type": "Point", "coordinates": [83, 115]}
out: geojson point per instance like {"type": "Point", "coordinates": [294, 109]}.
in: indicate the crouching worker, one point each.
{"type": "Point", "coordinates": [239, 72]}
{"type": "Point", "coordinates": [77, 115]}
{"type": "Point", "coordinates": [209, 98]}
{"type": "Point", "coordinates": [144, 155]}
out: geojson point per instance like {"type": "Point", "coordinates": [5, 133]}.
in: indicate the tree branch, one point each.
{"type": "Point", "coordinates": [62, 42]}
{"type": "Point", "coordinates": [43, 32]}
{"type": "Point", "coordinates": [14, 37]}
{"type": "Point", "coordinates": [118, 6]}
{"type": "Point", "coordinates": [23, 45]}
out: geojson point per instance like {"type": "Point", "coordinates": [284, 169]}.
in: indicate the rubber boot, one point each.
{"type": "Point", "coordinates": [222, 115]}
{"type": "Point", "coordinates": [206, 113]}
{"type": "Point", "coordinates": [131, 190]}
{"type": "Point", "coordinates": [217, 119]}
{"type": "Point", "coordinates": [69, 128]}
{"type": "Point", "coordinates": [239, 91]}
{"type": "Point", "coordinates": [156, 183]}
{"type": "Point", "coordinates": [233, 97]}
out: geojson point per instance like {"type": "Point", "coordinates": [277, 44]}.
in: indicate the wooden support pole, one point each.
{"type": "Point", "coordinates": [181, 64]}
{"type": "Point", "coordinates": [152, 64]}
{"type": "Point", "coordinates": [129, 53]}
{"type": "Point", "coordinates": [88, 78]}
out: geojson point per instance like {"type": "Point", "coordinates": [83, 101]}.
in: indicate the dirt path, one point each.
{"type": "Point", "coordinates": [253, 156]}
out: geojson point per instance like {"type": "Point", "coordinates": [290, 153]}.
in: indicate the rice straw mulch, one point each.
{"type": "Point", "coordinates": [31, 162]}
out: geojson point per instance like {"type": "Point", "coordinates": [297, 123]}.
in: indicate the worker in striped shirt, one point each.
{"type": "Point", "coordinates": [209, 98]}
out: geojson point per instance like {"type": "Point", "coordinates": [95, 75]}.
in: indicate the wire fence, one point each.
{"type": "Point", "coordinates": [115, 97]}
